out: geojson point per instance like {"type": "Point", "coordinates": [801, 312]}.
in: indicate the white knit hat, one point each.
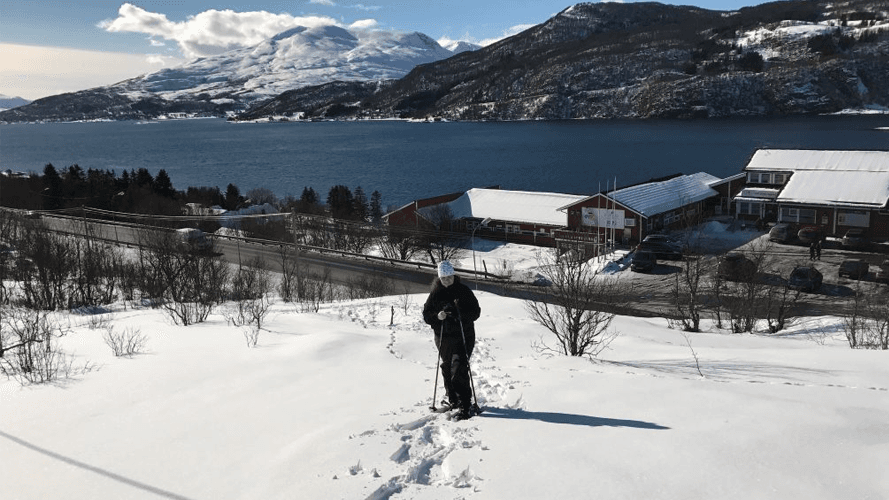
{"type": "Point", "coordinates": [445, 269]}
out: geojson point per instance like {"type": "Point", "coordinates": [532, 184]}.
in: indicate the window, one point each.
{"type": "Point", "coordinates": [799, 215]}
{"type": "Point", "coordinates": [513, 228]}
{"type": "Point", "coordinates": [780, 178]}
{"type": "Point", "coordinates": [855, 218]}
{"type": "Point", "coordinates": [747, 208]}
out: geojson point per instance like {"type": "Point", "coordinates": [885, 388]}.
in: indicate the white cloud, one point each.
{"type": "Point", "coordinates": [36, 71]}
{"type": "Point", "coordinates": [514, 30]}
{"type": "Point", "coordinates": [156, 43]}
{"type": "Point", "coordinates": [360, 6]}
{"type": "Point", "coordinates": [328, 3]}
{"type": "Point", "coordinates": [364, 24]}
{"type": "Point", "coordinates": [210, 32]}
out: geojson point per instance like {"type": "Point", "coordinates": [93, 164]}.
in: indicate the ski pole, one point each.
{"type": "Point", "coordinates": [475, 406]}
{"type": "Point", "coordinates": [437, 368]}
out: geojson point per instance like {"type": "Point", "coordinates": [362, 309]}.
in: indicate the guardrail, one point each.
{"type": "Point", "coordinates": [247, 240]}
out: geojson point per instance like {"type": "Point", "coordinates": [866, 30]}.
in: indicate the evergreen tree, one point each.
{"type": "Point", "coordinates": [232, 197]}
{"type": "Point", "coordinates": [376, 207]}
{"type": "Point", "coordinates": [143, 178]}
{"type": "Point", "coordinates": [163, 186]}
{"type": "Point", "coordinates": [52, 188]}
{"type": "Point", "coordinates": [340, 202]}
{"type": "Point", "coordinates": [360, 206]}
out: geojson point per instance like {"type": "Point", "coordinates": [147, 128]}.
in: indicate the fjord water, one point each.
{"type": "Point", "coordinates": [406, 161]}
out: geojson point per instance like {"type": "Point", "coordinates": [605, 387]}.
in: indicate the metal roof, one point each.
{"type": "Point", "coordinates": [658, 197]}
{"type": "Point", "coordinates": [517, 206]}
{"type": "Point", "coordinates": [794, 160]}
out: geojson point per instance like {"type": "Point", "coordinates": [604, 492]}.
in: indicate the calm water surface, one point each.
{"type": "Point", "coordinates": [406, 161]}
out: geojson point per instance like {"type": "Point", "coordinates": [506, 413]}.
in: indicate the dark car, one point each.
{"type": "Point", "coordinates": [805, 278]}
{"type": "Point", "coordinates": [782, 233]}
{"type": "Point", "coordinates": [809, 235]}
{"type": "Point", "coordinates": [854, 269]}
{"type": "Point", "coordinates": [643, 262]}
{"type": "Point", "coordinates": [662, 248]}
{"type": "Point", "coordinates": [854, 239]}
{"type": "Point", "coordinates": [736, 267]}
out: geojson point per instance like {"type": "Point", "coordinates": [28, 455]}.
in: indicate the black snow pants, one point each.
{"type": "Point", "coordinates": [455, 362]}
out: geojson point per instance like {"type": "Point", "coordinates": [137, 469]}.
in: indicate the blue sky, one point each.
{"type": "Point", "coordinates": [53, 46]}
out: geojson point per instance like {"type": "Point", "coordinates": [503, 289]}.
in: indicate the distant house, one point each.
{"type": "Point", "coordinates": [833, 190]}
{"type": "Point", "coordinates": [631, 213]}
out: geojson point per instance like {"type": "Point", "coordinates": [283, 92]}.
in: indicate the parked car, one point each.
{"type": "Point", "coordinates": [657, 238]}
{"type": "Point", "coordinates": [854, 239]}
{"type": "Point", "coordinates": [643, 261]}
{"type": "Point", "coordinates": [809, 235]}
{"type": "Point", "coordinates": [805, 278]}
{"type": "Point", "coordinates": [736, 267]}
{"type": "Point", "coordinates": [663, 249]}
{"type": "Point", "coordinates": [883, 273]}
{"type": "Point", "coordinates": [854, 269]}
{"type": "Point", "coordinates": [782, 233]}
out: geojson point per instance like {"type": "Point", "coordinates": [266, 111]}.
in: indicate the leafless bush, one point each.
{"type": "Point", "coordinates": [251, 335]}
{"type": "Point", "coordinates": [193, 281]}
{"type": "Point", "coordinates": [405, 301]}
{"type": "Point", "coordinates": [866, 324]}
{"type": "Point", "coordinates": [687, 293]}
{"type": "Point", "coordinates": [577, 308]}
{"type": "Point", "coordinates": [28, 350]}
{"type": "Point", "coordinates": [314, 289]}
{"type": "Point", "coordinates": [781, 306]}
{"type": "Point", "coordinates": [365, 286]}
{"type": "Point", "coordinates": [96, 321]}
{"type": "Point", "coordinates": [128, 342]}
{"type": "Point", "coordinates": [290, 269]}
{"type": "Point", "coordinates": [400, 244]}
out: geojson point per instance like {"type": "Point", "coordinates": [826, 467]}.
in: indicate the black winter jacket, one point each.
{"type": "Point", "coordinates": [442, 298]}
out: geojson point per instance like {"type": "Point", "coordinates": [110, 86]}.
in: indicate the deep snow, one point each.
{"type": "Point", "coordinates": [334, 405]}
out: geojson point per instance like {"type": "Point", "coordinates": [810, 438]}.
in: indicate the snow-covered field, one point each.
{"type": "Point", "coordinates": [334, 405]}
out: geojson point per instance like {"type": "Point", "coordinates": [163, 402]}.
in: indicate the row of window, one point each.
{"type": "Point", "coordinates": [778, 179]}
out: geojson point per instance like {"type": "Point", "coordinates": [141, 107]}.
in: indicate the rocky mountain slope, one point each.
{"type": "Point", "coordinates": [229, 82]}
{"type": "Point", "coordinates": [641, 60]}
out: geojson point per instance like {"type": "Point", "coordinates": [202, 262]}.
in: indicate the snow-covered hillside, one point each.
{"type": "Point", "coordinates": [295, 58]}
{"type": "Point", "coordinates": [334, 405]}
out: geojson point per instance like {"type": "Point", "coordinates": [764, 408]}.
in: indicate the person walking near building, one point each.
{"type": "Point", "coordinates": [451, 310]}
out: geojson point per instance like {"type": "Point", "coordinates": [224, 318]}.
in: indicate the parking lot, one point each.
{"type": "Point", "coordinates": [834, 294]}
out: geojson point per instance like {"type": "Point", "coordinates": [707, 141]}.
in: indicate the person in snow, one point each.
{"type": "Point", "coordinates": [451, 302]}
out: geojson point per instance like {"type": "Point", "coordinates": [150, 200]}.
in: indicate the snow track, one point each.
{"type": "Point", "coordinates": [430, 454]}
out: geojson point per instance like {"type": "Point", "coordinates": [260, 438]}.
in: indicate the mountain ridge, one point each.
{"type": "Point", "coordinates": [645, 60]}
{"type": "Point", "coordinates": [225, 83]}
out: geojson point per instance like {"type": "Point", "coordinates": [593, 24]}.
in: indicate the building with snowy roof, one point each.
{"type": "Point", "coordinates": [519, 216]}
{"type": "Point", "coordinates": [833, 190]}
{"type": "Point", "coordinates": [631, 213]}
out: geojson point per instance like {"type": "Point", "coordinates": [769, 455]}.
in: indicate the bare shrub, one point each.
{"type": "Point", "coordinates": [866, 324]}
{"type": "Point", "coordinates": [687, 291]}
{"type": "Point", "coordinates": [251, 335]}
{"type": "Point", "coordinates": [128, 342]}
{"type": "Point", "coordinates": [28, 350]}
{"type": "Point", "coordinates": [290, 268]}
{"type": "Point", "coordinates": [365, 286]}
{"type": "Point", "coordinates": [577, 308]}
{"type": "Point", "coordinates": [194, 281]}
{"type": "Point", "coordinates": [781, 307]}
{"type": "Point", "coordinates": [314, 289]}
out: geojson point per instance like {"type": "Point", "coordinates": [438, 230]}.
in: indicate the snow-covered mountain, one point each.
{"type": "Point", "coordinates": [459, 46]}
{"type": "Point", "coordinates": [7, 102]}
{"type": "Point", "coordinates": [296, 58]}
{"type": "Point", "coordinates": [643, 60]}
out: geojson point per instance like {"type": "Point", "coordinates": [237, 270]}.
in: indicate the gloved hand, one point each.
{"type": "Point", "coordinates": [442, 315]}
